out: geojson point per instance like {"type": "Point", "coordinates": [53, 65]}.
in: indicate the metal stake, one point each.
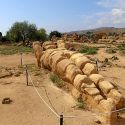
{"type": "Point", "coordinates": [97, 65]}
{"type": "Point", "coordinates": [27, 81]}
{"type": "Point", "coordinates": [61, 119]}
{"type": "Point", "coordinates": [21, 60]}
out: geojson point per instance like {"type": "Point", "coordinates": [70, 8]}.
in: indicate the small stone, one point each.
{"type": "Point", "coordinates": [6, 101]}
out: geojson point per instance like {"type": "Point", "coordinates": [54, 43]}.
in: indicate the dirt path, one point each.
{"type": "Point", "coordinates": [27, 108]}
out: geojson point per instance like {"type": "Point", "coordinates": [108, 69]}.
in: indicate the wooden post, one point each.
{"type": "Point", "coordinates": [61, 119]}
{"type": "Point", "coordinates": [27, 81]}
{"type": "Point", "coordinates": [21, 60]}
{"type": "Point", "coordinates": [97, 65]}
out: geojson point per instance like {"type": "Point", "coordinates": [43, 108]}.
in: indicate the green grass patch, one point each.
{"type": "Point", "coordinates": [56, 80]}
{"type": "Point", "coordinates": [10, 50]}
{"type": "Point", "coordinates": [81, 104]}
{"type": "Point", "coordinates": [121, 48]}
{"type": "Point", "coordinates": [88, 50]}
{"type": "Point", "coordinates": [111, 50]}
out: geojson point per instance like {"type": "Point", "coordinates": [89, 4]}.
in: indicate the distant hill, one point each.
{"type": "Point", "coordinates": [100, 30]}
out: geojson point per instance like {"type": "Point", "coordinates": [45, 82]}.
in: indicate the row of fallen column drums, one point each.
{"type": "Point", "coordinates": [75, 68]}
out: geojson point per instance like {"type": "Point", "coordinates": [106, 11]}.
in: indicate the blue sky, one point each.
{"type": "Point", "coordinates": [63, 15]}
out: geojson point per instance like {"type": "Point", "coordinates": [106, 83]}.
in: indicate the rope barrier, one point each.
{"type": "Point", "coordinates": [58, 116]}
{"type": "Point", "coordinates": [53, 111]}
{"type": "Point", "coordinates": [95, 114]}
{"type": "Point", "coordinates": [66, 116]}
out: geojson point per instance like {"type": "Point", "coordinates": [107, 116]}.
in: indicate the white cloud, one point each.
{"type": "Point", "coordinates": [113, 14]}
{"type": "Point", "coordinates": [111, 3]}
{"type": "Point", "coordinates": [117, 12]}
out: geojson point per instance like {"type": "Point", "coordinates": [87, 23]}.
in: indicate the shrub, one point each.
{"type": "Point", "coordinates": [88, 50]}
{"type": "Point", "coordinates": [56, 80]}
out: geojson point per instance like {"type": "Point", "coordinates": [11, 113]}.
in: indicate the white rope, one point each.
{"type": "Point", "coordinates": [66, 116]}
{"type": "Point", "coordinates": [95, 114]}
{"type": "Point", "coordinates": [58, 116]}
{"type": "Point", "coordinates": [42, 98]}
{"type": "Point", "coordinates": [118, 110]}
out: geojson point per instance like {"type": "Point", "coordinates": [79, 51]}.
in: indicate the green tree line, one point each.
{"type": "Point", "coordinates": [22, 31]}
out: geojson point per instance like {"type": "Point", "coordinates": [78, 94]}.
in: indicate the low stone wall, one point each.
{"type": "Point", "coordinates": [100, 95]}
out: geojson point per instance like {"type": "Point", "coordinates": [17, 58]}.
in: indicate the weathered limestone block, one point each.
{"type": "Point", "coordinates": [75, 56]}
{"type": "Point", "coordinates": [60, 44]}
{"type": "Point", "coordinates": [62, 65]}
{"type": "Point", "coordinates": [45, 58]}
{"type": "Point", "coordinates": [91, 91]}
{"type": "Point", "coordinates": [91, 103]}
{"type": "Point", "coordinates": [79, 80]}
{"type": "Point", "coordinates": [81, 61]}
{"type": "Point", "coordinates": [49, 43]}
{"type": "Point", "coordinates": [56, 59]}
{"type": "Point", "coordinates": [52, 54]}
{"type": "Point", "coordinates": [71, 72]}
{"type": "Point", "coordinates": [50, 47]}
{"type": "Point", "coordinates": [96, 78]}
{"type": "Point", "coordinates": [56, 51]}
{"type": "Point", "coordinates": [76, 94]}
{"type": "Point", "coordinates": [86, 85]}
{"type": "Point", "coordinates": [105, 86]}
{"type": "Point", "coordinates": [117, 97]}
{"type": "Point", "coordinates": [98, 98]}
{"type": "Point", "coordinates": [105, 40]}
{"type": "Point", "coordinates": [89, 69]}
{"type": "Point", "coordinates": [105, 111]}
{"type": "Point", "coordinates": [68, 53]}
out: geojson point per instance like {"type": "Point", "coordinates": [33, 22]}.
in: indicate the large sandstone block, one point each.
{"type": "Point", "coordinates": [45, 57]}
{"type": "Point", "coordinates": [68, 53]}
{"type": "Point", "coordinates": [91, 91]}
{"type": "Point", "coordinates": [96, 78]}
{"type": "Point", "coordinates": [56, 59]}
{"type": "Point", "coordinates": [86, 85]}
{"type": "Point", "coordinates": [117, 97]}
{"type": "Point", "coordinates": [71, 72]}
{"type": "Point", "coordinates": [89, 69]}
{"type": "Point", "coordinates": [62, 65]}
{"type": "Point", "coordinates": [52, 54]}
{"type": "Point", "coordinates": [60, 44]}
{"type": "Point", "coordinates": [48, 43]}
{"type": "Point", "coordinates": [81, 61]}
{"type": "Point", "coordinates": [50, 47]}
{"type": "Point", "coordinates": [106, 114]}
{"type": "Point", "coordinates": [75, 56]}
{"type": "Point", "coordinates": [105, 86]}
{"type": "Point", "coordinates": [91, 104]}
{"type": "Point", "coordinates": [79, 80]}
{"type": "Point", "coordinates": [98, 98]}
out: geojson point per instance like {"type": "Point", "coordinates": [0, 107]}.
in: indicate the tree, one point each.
{"type": "Point", "coordinates": [55, 33]}
{"type": "Point", "coordinates": [41, 34]}
{"type": "Point", "coordinates": [22, 31]}
{"type": "Point", "coordinates": [89, 34]}
{"type": "Point", "coordinates": [0, 35]}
